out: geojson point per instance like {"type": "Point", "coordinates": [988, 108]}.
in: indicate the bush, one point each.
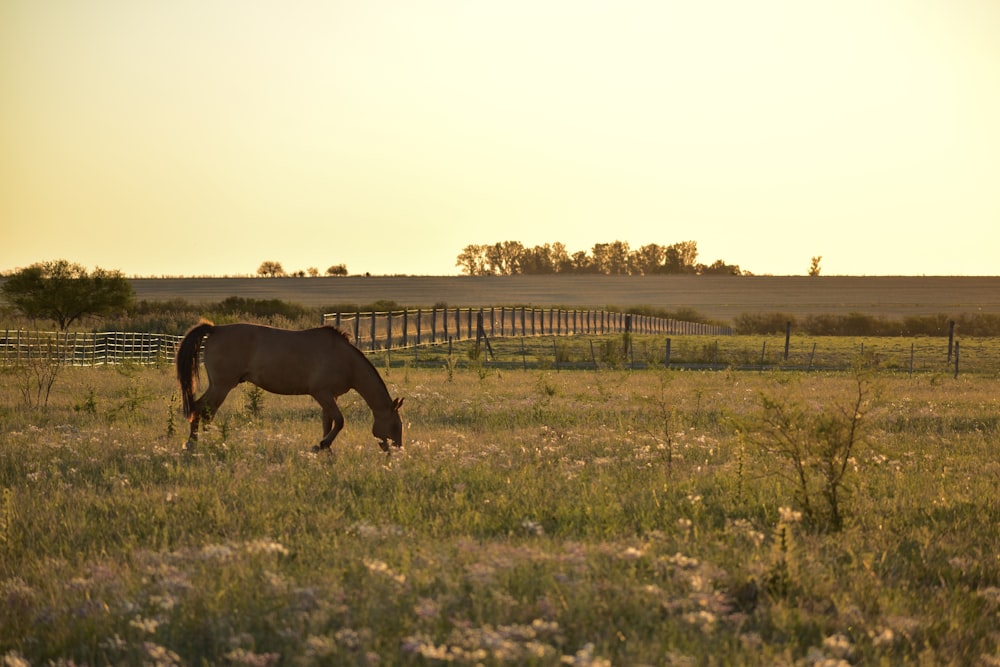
{"type": "Point", "coordinates": [763, 323]}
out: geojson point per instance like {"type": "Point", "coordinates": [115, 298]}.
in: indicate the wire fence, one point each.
{"type": "Point", "coordinates": [554, 342]}
{"type": "Point", "coordinates": [373, 331]}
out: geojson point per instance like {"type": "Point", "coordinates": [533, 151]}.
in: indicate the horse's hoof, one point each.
{"type": "Point", "coordinates": [384, 445]}
{"type": "Point", "coordinates": [189, 446]}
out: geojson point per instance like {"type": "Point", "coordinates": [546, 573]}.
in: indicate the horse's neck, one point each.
{"type": "Point", "coordinates": [369, 384]}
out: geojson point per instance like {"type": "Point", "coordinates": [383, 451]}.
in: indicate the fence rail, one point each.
{"type": "Point", "coordinates": [375, 331]}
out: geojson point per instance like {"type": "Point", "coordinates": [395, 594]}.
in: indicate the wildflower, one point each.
{"type": "Point", "coordinates": [706, 620]}
{"type": "Point", "coordinates": [147, 625]}
{"type": "Point", "coordinates": [682, 561]}
{"type": "Point", "coordinates": [380, 567]}
{"type": "Point", "coordinates": [266, 547]}
{"type": "Point", "coordinates": [241, 656]}
{"type": "Point", "coordinates": [219, 552]}
{"type": "Point", "coordinates": [426, 608]}
{"type": "Point", "coordinates": [839, 646]}
{"type": "Point", "coordinates": [14, 659]}
{"type": "Point", "coordinates": [631, 553]}
{"type": "Point", "coordinates": [788, 515]}
{"type": "Point", "coordinates": [160, 656]}
{"type": "Point", "coordinates": [533, 527]}
{"type": "Point", "coordinates": [164, 602]}
{"type": "Point", "coordinates": [684, 524]}
{"type": "Point", "coordinates": [585, 658]}
{"type": "Point", "coordinates": [885, 638]}
{"type": "Point", "coordinates": [320, 646]}
{"type": "Point", "coordinates": [347, 638]}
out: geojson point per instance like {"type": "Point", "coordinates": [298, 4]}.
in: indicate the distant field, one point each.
{"type": "Point", "coordinates": [721, 298]}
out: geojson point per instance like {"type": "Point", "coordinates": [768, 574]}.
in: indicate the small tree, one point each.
{"type": "Point", "coordinates": [270, 269]}
{"type": "Point", "coordinates": [814, 265]}
{"type": "Point", "coordinates": [816, 444]}
{"type": "Point", "coordinates": [337, 270]}
{"type": "Point", "coordinates": [65, 292]}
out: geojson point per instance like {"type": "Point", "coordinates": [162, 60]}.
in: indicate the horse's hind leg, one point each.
{"type": "Point", "coordinates": [333, 421]}
{"type": "Point", "coordinates": [205, 408]}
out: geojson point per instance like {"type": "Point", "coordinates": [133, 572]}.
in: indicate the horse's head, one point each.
{"type": "Point", "coordinates": [389, 426]}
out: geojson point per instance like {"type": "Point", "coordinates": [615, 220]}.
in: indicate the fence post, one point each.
{"type": "Point", "coordinates": [627, 338]}
{"type": "Point", "coordinates": [951, 337]}
{"type": "Point", "coordinates": [667, 361]}
{"type": "Point", "coordinates": [388, 330]}
{"type": "Point", "coordinates": [372, 345]}
{"type": "Point", "coordinates": [788, 335]}
{"type": "Point", "coordinates": [418, 325]}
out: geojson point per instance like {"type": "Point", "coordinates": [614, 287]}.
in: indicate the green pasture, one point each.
{"type": "Point", "coordinates": [895, 355]}
{"type": "Point", "coordinates": [554, 515]}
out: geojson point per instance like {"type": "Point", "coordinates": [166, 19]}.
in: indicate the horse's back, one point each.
{"type": "Point", "coordinates": [282, 361]}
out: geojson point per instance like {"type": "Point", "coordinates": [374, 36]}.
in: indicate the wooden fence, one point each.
{"type": "Point", "coordinates": [373, 331]}
{"type": "Point", "coordinates": [78, 348]}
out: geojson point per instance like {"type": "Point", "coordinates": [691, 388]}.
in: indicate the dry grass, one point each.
{"type": "Point", "coordinates": [532, 517]}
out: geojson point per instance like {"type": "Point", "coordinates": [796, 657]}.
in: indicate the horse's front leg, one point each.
{"type": "Point", "coordinates": [333, 422]}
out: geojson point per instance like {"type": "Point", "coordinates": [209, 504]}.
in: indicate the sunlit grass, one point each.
{"type": "Point", "coordinates": [532, 517]}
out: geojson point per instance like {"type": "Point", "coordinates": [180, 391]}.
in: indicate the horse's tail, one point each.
{"type": "Point", "coordinates": [187, 363]}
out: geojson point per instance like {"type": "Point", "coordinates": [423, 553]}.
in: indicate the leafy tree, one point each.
{"type": "Point", "coordinates": [65, 292]}
{"type": "Point", "coordinates": [270, 269]}
{"type": "Point", "coordinates": [611, 258]}
{"type": "Point", "coordinates": [649, 259]}
{"type": "Point", "coordinates": [504, 259]}
{"type": "Point", "coordinates": [718, 268]}
{"type": "Point", "coordinates": [583, 263]}
{"type": "Point", "coordinates": [681, 257]}
{"type": "Point", "coordinates": [473, 260]}
{"type": "Point", "coordinates": [337, 270]}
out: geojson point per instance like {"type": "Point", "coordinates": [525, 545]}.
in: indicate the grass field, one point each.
{"type": "Point", "coordinates": [532, 517]}
{"type": "Point", "coordinates": [719, 298]}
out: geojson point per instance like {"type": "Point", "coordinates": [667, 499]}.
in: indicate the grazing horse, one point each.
{"type": "Point", "coordinates": [321, 362]}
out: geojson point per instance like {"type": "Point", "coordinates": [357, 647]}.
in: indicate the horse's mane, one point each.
{"type": "Point", "coordinates": [338, 332]}
{"type": "Point", "coordinates": [346, 337]}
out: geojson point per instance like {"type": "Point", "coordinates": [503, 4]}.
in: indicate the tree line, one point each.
{"type": "Point", "coordinates": [509, 258]}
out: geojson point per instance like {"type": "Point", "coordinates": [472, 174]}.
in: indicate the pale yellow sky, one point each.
{"type": "Point", "coordinates": [197, 137]}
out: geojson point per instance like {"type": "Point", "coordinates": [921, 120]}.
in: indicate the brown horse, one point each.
{"type": "Point", "coordinates": [319, 362]}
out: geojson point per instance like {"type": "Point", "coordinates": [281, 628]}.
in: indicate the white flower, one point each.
{"type": "Point", "coordinates": [788, 515]}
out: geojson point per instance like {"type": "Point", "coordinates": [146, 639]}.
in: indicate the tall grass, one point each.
{"type": "Point", "coordinates": [532, 517]}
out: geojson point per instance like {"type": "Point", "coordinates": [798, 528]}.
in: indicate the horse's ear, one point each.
{"type": "Point", "coordinates": [397, 403]}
